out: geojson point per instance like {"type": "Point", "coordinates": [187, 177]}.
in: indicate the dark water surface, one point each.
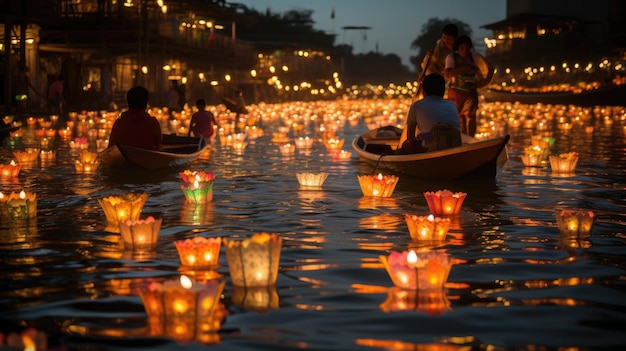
{"type": "Point", "coordinates": [516, 282]}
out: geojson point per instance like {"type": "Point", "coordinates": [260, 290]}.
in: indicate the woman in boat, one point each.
{"type": "Point", "coordinates": [465, 77]}
{"type": "Point", "coordinates": [434, 117]}
{"type": "Point", "coordinates": [202, 122]}
{"type": "Point", "coordinates": [135, 127]}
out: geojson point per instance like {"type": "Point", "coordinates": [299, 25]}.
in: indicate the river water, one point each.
{"type": "Point", "coordinates": [516, 282]}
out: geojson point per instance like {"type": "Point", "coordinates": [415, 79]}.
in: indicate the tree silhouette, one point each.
{"type": "Point", "coordinates": [431, 32]}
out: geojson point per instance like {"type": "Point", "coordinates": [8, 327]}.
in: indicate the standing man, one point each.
{"type": "Point", "coordinates": [55, 96]}
{"type": "Point", "coordinates": [444, 47]}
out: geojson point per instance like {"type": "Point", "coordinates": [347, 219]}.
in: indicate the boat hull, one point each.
{"type": "Point", "coordinates": [472, 160]}
{"type": "Point", "coordinates": [177, 151]}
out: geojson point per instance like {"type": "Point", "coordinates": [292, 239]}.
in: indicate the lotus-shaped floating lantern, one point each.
{"type": "Point", "coordinates": [254, 261]}
{"type": "Point", "coordinates": [197, 186]}
{"type": "Point", "coordinates": [87, 162]}
{"type": "Point", "coordinates": [432, 301]}
{"type": "Point", "coordinates": [304, 142]}
{"type": "Point", "coordinates": [47, 156]}
{"type": "Point", "coordinates": [18, 207]}
{"type": "Point", "coordinates": [199, 252]}
{"type": "Point", "coordinates": [533, 156]}
{"type": "Point", "coordinates": [421, 270]}
{"type": "Point", "coordinates": [309, 180]}
{"type": "Point", "coordinates": [122, 208]}
{"type": "Point", "coordinates": [334, 144]}
{"type": "Point", "coordinates": [28, 156]}
{"type": "Point", "coordinates": [140, 235]}
{"type": "Point", "coordinates": [182, 308]}
{"type": "Point", "coordinates": [575, 222]}
{"type": "Point", "coordinates": [564, 163]}
{"type": "Point", "coordinates": [79, 144]}
{"type": "Point", "coordinates": [10, 170]}
{"type": "Point", "coordinates": [427, 228]}
{"type": "Point", "coordinates": [444, 202]}
{"type": "Point", "coordinates": [378, 185]}
{"type": "Point", "coordinates": [287, 149]}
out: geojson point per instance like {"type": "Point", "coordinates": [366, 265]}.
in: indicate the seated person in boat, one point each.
{"type": "Point", "coordinates": [433, 122]}
{"type": "Point", "coordinates": [135, 127]}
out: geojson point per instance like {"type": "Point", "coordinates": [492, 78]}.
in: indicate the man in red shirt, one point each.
{"type": "Point", "coordinates": [135, 127]}
{"type": "Point", "coordinates": [202, 122]}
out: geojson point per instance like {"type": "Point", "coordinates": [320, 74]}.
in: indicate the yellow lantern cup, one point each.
{"type": "Point", "coordinates": [427, 228]}
{"type": "Point", "coordinates": [575, 222]}
{"type": "Point", "coordinates": [86, 168]}
{"type": "Point", "coordinates": [287, 149]}
{"type": "Point", "coordinates": [18, 206]}
{"type": "Point", "coordinates": [304, 142]}
{"type": "Point", "coordinates": [199, 252]}
{"type": "Point", "coordinates": [254, 261]}
{"type": "Point", "coordinates": [445, 202]}
{"type": "Point", "coordinates": [432, 302]}
{"type": "Point", "coordinates": [334, 144]}
{"type": "Point", "coordinates": [10, 170]}
{"type": "Point", "coordinates": [311, 180]}
{"type": "Point", "coordinates": [88, 157]}
{"type": "Point", "coordinates": [47, 156]}
{"type": "Point", "coordinates": [564, 163]}
{"type": "Point", "coordinates": [122, 208]}
{"type": "Point", "coordinates": [182, 308]}
{"type": "Point", "coordinates": [378, 185]}
{"type": "Point", "coordinates": [422, 270]}
{"type": "Point", "coordinates": [140, 235]}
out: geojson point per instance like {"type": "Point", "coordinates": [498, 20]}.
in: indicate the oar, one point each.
{"type": "Point", "coordinates": [418, 93]}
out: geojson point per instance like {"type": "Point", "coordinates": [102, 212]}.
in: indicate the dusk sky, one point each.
{"type": "Point", "coordinates": [394, 23]}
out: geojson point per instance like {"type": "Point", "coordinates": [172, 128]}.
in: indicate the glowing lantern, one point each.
{"type": "Point", "coordinates": [140, 234]}
{"type": "Point", "coordinates": [287, 149]}
{"type": "Point", "coordinates": [564, 163]}
{"type": "Point", "coordinates": [199, 251]}
{"type": "Point", "coordinates": [254, 261]}
{"type": "Point", "coordinates": [427, 228]}
{"type": "Point", "coordinates": [311, 180]}
{"type": "Point", "coordinates": [575, 222]}
{"type": "Point", "coordinates": [418, 270]}
{"type": "Point", "coordinates": [533, 156]}
{"type": "Point", "coordinates": [378, 186]}
{"type": "Point", "coordinates": [122, 208]}
{"type": "Point", "coordinates": [11, 170]}
{"type": "Point", "coordinates": [197, 186]}
{"type": "Point", "coordinates": [304, 143]}
{"type": "Point", "coordinates": [182, 308]}
{"type": "Point", "coordinates": [29, 155]}
{"type": "Point", "coordinates": [444, 202]}
{"type": "Point", "coordinates": [20, 206]}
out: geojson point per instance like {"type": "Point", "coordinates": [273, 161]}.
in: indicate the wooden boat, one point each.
{"type": "Point", "coordinates": [613, 95]}
{"type": "Point", "coordinates": [475, 159]}
{"type": "Point", "coordinates": [175, 151]}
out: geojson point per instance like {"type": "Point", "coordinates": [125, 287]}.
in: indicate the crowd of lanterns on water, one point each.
{"type": "Point", "coordinates": [193, 299]}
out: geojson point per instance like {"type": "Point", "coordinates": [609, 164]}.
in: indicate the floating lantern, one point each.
{"type": "Point", "coordinates": [418, 270]}
{"type": "Point", "coordinates": [199, 252]}
{"type": "Point", "coordinates": [334, 144]}
{"type": "Point", "coordinates": [311, 180]}
{"type": "Point", "coordinates": [259, 298]}
{"type": "Point", "coordinates": [205, 154]}
{"type": "Point", "coordinates": [287, 149]}
{"type": "Point", "coordinates": [54, 118]}
{"type": "Point", "coordinates": [88, 157]}
{"type": "Point", "coordinates": [427, 228]}
{"type": "Point", "coordinates": [182, 308]}
{"type": "Point", "coordinates": [304, 143]}
{"type": "Point", "coordinates": [29, 155]}
{"type": "Point", "coordinates": [280, 137]}
{"type": "Point", "coordinates": [564, 163]}
{"type": "Point", "coordinates": [341, 155]}
{"type": "Point", "coordinates": [198, 192]}
{"type": "Point", "coordinates": [47, 156]}
{"type": "Point", "coordinates": [254, 261]}
{"type": "Point", "coordinates": [20, 206]}
{"type": "Point", "coordinates": [575, 222]}
{"type": "Point", "coordinates": [239, 146]}
{"type": "Point", "coordinates": [432, 301]}
{"type": "Point", "coordinates": [378, 185]}
{"type": "Point", "coordinates": [122, 208]}
{"type": "Point", "coordinates": [140, 235]}
{"type": "Point", "coordinates": [444, 202]}
{"type": "Point", "coordinates": [10, 170]}
{"type": "Point", "coordinates": [533, 155]}
{"type": "Point", "coordinates": [85, 168]}
{"type": "Point", "coordinates": [79, 144]}
{"type": "Point", "coordinates": [65, 132]}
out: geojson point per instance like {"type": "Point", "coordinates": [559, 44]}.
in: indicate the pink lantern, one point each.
{"type": "Point", "coordinates": [421, 270]}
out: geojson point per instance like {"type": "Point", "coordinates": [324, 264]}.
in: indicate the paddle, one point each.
{"type": "Point", "coordinates": [418, 93]}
